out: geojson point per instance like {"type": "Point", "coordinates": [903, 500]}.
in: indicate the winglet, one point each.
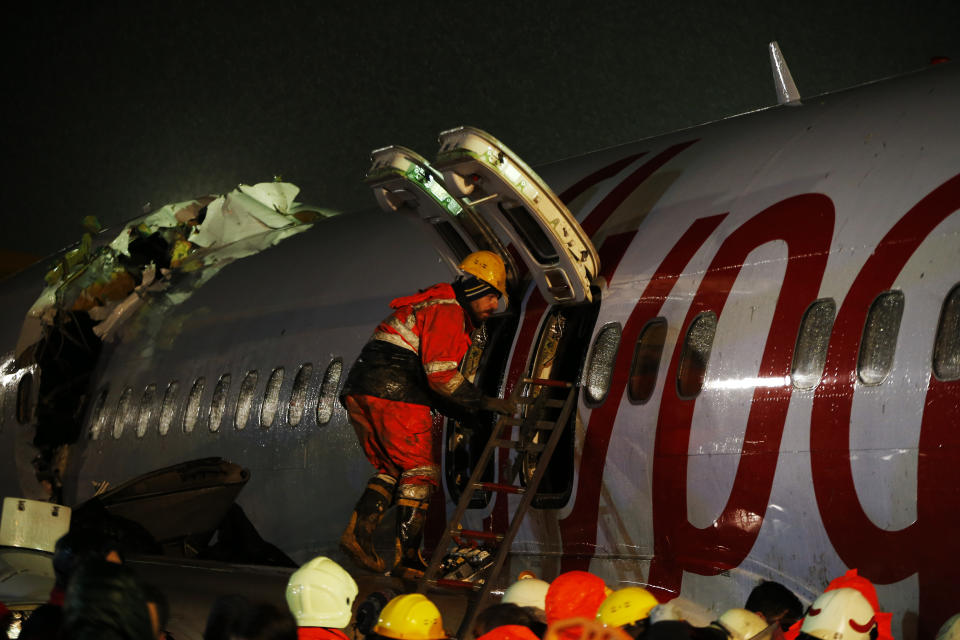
{"type": "Point", "coordinates": [787, 92]}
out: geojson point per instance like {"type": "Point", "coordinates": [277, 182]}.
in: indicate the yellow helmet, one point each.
{"type": "Point", "coordinates": [489, 267]}
{"type": "Point", "coordinates": [626, 606]}
{"type": "Point", "coordinates": [410, 617]}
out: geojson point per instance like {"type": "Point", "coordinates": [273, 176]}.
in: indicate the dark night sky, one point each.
{"type": "Point", "coordinates": [115, 105]}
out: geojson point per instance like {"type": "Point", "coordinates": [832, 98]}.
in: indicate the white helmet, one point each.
{"type": "Point", "coordinates": [320, 594]}
{"type": "Point", "coordinates": [527, 592]}
{"type": "Point", "coordinates": [950, 629]}
{"type": "Point", "coordinates": [742, 624]}
{"type": "Point", "coordinates": [840, 614]}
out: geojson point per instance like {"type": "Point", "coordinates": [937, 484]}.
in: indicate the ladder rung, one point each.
{"type": "Point", "coordinates": [479, 535]}
{"type": "Point", "coordinates": [493, 486]}
{"type": "Point", "coordinates": [552, 404]}
{"type": "Point", "coordinates": [547, 383]}
{"type": "Point", "coordinates": [457, 584]}
{"type": "Point", "coordinates": [532, 447]}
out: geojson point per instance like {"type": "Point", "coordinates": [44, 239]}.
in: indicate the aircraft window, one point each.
{"type": "Point", "coordinates": [271, 398]}
{"type": "Point", "coordinates": [245, 400]}
{"type": "Point", "coordinates": [169, 407]}
{"type": "Point", "coordinates": [646, 361]}
{"type": "Point", "coordinates": [124, 412]}
{"type": "Point", "coordinates": [24, 393]}
{"type": "Point", "coordinates": [879, 339]}
{"type": "Point", "coordinates": [146, 409]}
{"type": "Point", "coordinates": [946, 348]}
{"type": "Point", "coordinates": [218, 404]}
{"type": "Point", "coordinates": [98, 417]}
{"type": "Point", "coordinates": [298, 397]}
{"type": "Point", "coordinates": [452, 239]}
{"type": "Point", "coordinates": [533, 236]}
{"type": "Point", "coordinates": [696, 354]}
{"type": "Point", "coordinates": [600, 364]}
{"type": "Point", "coordinates": [810, 353]}
{"type": "Point", "coordinates": [192, 413]}
{"type": "Point", "coordinates": [328, 391]}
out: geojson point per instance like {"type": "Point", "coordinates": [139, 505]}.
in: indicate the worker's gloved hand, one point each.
{"type": "Point", "coordinates": [498, 405]}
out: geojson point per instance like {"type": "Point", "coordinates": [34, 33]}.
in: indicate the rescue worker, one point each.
{"type": "Point", "coordinates": [409, 617]}
{"type": "Point", "coordinates": [320, 595]}
{"type": "Point", "coordinates": [847, 616]}
{"type": "Point", "coordinates": [628, 609]}
{"type": "Point", "coordinates": [530, 593]}
{"type": "Point", "coordinates": [410, 364]}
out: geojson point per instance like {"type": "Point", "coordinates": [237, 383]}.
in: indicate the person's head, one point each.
{"type": "Point", "coordinates": [527, 592]}
{"type": "Point", "coordinates": [484, 283]}
{"type": "Point", "coordinates": [627, 608]}
{"type": "Point", "coordinates": [775, 603]}
{"type": "Point", "coordinates": [840, 614]}
{"type": "Point", "coordinates": [950, 630]}
{"type": "Point", "coordinates": [574, 594]}
{"type": "Point", "coordinates": [741, 624]}
{"type": "Point", "coordinates": [76, 546]}
{"type": "Point", "coordinates": [510, 632]}
{"type": "Point", "coordinates": [506, 614]}
{"type": "Point", "coordinates": [105, 600]}
{"type": "Point", "coordinates": [410, 617]}
{"type": "Point", "coordinates": [321, 594]}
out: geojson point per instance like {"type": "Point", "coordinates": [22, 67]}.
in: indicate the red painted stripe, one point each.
{"type": "Point", "coordinates": [924, 546]}
{"type": "Point", "coordinates": [572, 192]}
{"type": "Point", "coordinates": [579, 529]}
{"type": "Point", "coordinates": [623, 190]}
{"type": "Point", "coordinates": [805, 223]}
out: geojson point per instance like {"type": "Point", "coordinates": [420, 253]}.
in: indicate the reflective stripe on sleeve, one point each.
{"type": "Point", "coordinates": [393, 338]}
{"type": "Point", "coordinates": [452, 384]}
{"type": "Point", "coordinates": [440, 365]}
{"type": "Point", "coordinates": [405, 329]}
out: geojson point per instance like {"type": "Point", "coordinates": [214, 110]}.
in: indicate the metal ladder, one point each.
{"type": "Point", "coordinates": [532, 431]}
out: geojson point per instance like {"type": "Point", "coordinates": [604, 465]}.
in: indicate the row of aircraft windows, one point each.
{"type": "Point", "coordinates": [147, 410]}
{"type": "Point", "coordinates": [877, 346]}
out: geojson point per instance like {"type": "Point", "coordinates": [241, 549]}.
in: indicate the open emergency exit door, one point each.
{"type": "Point", "coordinates": [404, 181]}
{"type": "Point", "coordinates": [524, 211]}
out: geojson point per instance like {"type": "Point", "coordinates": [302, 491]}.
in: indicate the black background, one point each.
{"type": "Point", "coordinates": [112, 106]}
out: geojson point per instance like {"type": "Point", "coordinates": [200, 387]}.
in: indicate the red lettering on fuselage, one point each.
{"type": "Point", "coordinates": [579, 529]}
{"type": "Point", "coordinates": [931, 544]}
{"type": "Point", "coordinates": [805, 223]}
{"type": "Point", "coordinates": [610, 254]}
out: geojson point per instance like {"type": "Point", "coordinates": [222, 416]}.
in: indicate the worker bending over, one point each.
{"type": "Point", "coordinates": [412, 363]}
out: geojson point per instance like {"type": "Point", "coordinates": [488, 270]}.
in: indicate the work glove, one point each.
{"type": "Point", "coordinates": [505, 406]}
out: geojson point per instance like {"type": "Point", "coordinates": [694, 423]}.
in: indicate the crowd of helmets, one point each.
{"type": "Point", "coordinates": [97, 596]}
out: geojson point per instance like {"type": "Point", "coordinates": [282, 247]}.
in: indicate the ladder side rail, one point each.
{"type": "Point", "coordinates": [476, 607]}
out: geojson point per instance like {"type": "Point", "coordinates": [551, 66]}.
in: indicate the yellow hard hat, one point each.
{"type": "Point", "coordinates": [626, 606]}
{"type": "Point", "coordinates": [487, 266]}
{"type": "Point", "coordinates": [410, 617]}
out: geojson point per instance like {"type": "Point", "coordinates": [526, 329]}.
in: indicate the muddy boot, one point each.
{"type": "Point", "coordinates": [411, 518]}
{"type": "Point", "coordinates": [357, 539]}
